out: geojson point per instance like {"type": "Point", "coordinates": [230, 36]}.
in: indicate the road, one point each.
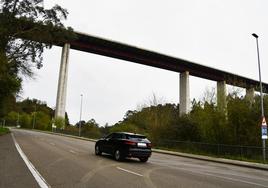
{"type": "Point", "coordinates": [68, 162]}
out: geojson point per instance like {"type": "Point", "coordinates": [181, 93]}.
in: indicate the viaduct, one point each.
{"type": "Point", "coordinates": [100, 46]}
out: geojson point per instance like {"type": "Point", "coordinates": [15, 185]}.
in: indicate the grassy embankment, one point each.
{"type": "Point", "coordinates": [4, 131]}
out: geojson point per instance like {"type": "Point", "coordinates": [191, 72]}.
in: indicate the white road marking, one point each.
{"type": "Point", "coordinates": [72, 151]}
{"type": "Point", "coordinates": [226, 178]}
{"type": "Point", "coordinates": [40, 180]}
{"type": "Point", "coordinates": [128, 171]}
{"type": "Point", "coordinates": [238, 180]}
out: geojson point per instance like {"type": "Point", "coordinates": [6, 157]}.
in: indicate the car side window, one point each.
{"type": "Point", "coordinates": [110, 136]}
{"type": "Point", "coordinates": [117, 136]}
{"type": "Point", "coordinates": [114, 136]}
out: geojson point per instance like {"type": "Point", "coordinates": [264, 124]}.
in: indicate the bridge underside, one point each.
{"type": "Point", "coordinates": [100, 46]}
{"type": "Point", "coordinates": [92, 44]}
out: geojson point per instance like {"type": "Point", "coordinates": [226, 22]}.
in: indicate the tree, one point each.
{"type": "Point", "coordinates": [211, 123]}
{"type": "Point", "coordinates": [7, 105]}
{"type": "Point", "coordinates": [59, 122]}
{"type": "Point", "coordinates": [91, 129]}
{"type": "Point", "coordinates": [82, 122]}
{"type": "Point", "coordinates": [25, 120]}
{"type": "Point", "coordinates": [105, 130]}
{"type": "Point", "coordinates": [11, 118]}
{"type": "Point", "coordinates": [26, 29]}
{"type": "Point", "coordinates": [43, 121]}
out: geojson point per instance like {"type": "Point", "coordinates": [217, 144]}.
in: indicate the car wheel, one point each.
{"type": "Point", "coordinates": [97, 150]}
{"type": "Point", "coordinates": [118, 155]}
{"type": "Point", "coordinates": [145, 159]}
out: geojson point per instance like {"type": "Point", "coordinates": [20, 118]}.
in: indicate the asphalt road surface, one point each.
{"type": "Point", "coordinates": [68, 162]}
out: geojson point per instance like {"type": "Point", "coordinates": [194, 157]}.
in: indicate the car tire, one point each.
{"type": "Point", "coordinates": [118, 155]}
{"type": "Point", "coordinates": [97, 150]}
{"type": "Point", "coordinates": [145, 159]}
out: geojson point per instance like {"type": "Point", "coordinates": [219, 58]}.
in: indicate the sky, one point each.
{"type": "Point", "coordinates": [214, 33]}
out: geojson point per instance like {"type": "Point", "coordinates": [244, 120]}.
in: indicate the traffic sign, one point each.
{"type": "Point", "coordinates": [263, 124]}
{"type": "Point", "coordinates": [264, 132]}
{"type": "Point", "coordinates": [263, 129]}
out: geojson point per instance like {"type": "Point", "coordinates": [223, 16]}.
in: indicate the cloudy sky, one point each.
{"type": "Point", "coordinates": [215, 33]}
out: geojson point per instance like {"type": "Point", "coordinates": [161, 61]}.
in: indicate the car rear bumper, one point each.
{"type": "Point", "coordinates": [137, 152]}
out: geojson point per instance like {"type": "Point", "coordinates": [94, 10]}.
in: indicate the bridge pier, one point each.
{"type": "Point", "coordinates": [184, 93]}
{"type": "Point", "coordinates": [62, 82]}
{"type": "Point", "coordinates": [221, 96]}
{"type": "Point", "coordinates": [250, 95]}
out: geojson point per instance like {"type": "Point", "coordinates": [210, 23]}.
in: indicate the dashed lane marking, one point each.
{"type": "Point", "coordinates": [72, 151]}
{"type": "Point", "coordinates": [128, 171]}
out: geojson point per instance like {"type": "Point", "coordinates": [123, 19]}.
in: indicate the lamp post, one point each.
{"type": "Point", "coordinates": [80, 114]}
{"type": "Point", "coordinates": [34, 118]}
{"type": "Point", "coordinates": [18, 120]}
{"type": "Point", "coordinates": [262, 109]}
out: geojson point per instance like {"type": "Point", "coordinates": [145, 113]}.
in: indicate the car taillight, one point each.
{"type": "Point", "coordinates": [149, 145]}
{"type": "Point", "coordinates": [130, 143]}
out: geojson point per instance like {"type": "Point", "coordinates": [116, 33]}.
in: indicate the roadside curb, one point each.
{"type": "Point", "coordinates": [193, 156]}
{"type": "Point", "coordinates": [213, 159]}
{"type": "Point", "coordinates": [65, 135]}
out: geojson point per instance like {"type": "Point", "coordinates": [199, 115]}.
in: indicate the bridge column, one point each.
{"type": "Point", "coordinates": [250, 95]}
{"type": "Point", "coordinates": [184, 93]}
{"type": "Point", "coordinates": [62, 82]}
{"type": "Point", "coordinates": [221, 96]}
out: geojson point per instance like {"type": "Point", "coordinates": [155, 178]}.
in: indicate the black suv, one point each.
{"type": "Point", "coordinates": [123, 144]}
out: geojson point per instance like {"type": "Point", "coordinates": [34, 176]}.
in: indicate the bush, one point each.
{"type": "Point", "coordinates": [4, 131]}
{"type": "Point", "coordinates": [59, 122]}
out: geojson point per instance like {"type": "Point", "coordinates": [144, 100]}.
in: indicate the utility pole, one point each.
{"type": "Point", "coordinates": [263, 127]}
{"type": "Point", "coordinates": [18, 120]}
{"type": "Point", "coordinates": [34, 116]}
{"type": "Point", "coordinates": [80, 114]}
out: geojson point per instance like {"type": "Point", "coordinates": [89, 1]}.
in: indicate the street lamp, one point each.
{"type": "Point", "coordinates": [262, 109]}
{"type": "Point", "coordinates": [34, 118]}
{"type": "Point", "coordinates": [80, 114]}
{"type": "Point", "coordinates": [18, 120]}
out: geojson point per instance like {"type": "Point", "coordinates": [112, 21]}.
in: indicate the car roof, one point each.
{"type": "Point", "coordinates": [129, 133]}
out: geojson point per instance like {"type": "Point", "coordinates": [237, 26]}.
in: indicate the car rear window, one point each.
{"type": "Point", "coordinates": [135, 137]}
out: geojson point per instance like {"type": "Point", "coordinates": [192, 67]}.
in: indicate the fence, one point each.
{"type": "Point", "coordinates": [248, 153]}
{"type": "Point", "coordinates": [75, 132]}
{"type": "Point", "coordinates": [245, 153]}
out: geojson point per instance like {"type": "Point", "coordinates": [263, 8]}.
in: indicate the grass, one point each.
{"type": "Point", "coordinates": [4, 131]}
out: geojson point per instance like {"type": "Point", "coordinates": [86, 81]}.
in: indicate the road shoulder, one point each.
{"type": "Point", "coordinates": [13, 171]}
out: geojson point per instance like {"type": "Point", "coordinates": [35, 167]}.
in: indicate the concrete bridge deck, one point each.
{"type": "Point", "coordinates": [101, 46]}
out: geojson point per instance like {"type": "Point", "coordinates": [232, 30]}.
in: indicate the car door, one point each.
{"type": "Point", "coordinates": [106, 143]}
{"type": "Point", "coordinates": [111, 143]}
